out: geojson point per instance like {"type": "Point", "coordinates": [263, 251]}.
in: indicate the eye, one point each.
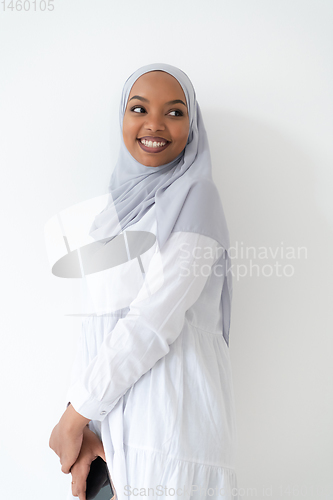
{"type": "Point", "coordinates": [177, 111]}
{"type": "Point", "coordinates": [138, 107]}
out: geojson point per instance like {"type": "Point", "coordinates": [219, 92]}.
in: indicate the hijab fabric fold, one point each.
{"type": "Point", "coordinates": [183, 190]}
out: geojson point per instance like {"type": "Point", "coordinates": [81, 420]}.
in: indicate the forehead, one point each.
{"type": "Point", "coordinates": [157, 83]}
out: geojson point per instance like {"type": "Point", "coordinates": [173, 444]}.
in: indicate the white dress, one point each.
{"type": "Point", "coordinates": [154, 376]}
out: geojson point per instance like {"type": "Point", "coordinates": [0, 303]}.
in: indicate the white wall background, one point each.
{"type": "Point", "coordinates": [262, 70]}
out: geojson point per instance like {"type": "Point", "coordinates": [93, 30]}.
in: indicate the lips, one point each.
{"type": "Point", "coordinates": [148, 149]}
{"type": "Point", "coordinates": [152, 138]}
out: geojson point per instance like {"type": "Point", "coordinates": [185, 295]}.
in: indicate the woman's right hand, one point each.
{"type": "Point", "coordinates": [91, 448]}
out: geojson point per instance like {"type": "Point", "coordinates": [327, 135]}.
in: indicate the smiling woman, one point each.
{"type": "Point", "coordinates": [156, 132]}
{"type": "Point", "coordinates": [153, 376]}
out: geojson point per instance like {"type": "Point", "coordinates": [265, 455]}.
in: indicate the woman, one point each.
{"type": "Point", "coordinates": [154, 381]}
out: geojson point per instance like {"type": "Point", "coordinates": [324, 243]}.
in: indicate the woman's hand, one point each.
{"type": "Point", "coordinates": [91, 448]}
{"type": "Point", "coordinates": [66, 438]}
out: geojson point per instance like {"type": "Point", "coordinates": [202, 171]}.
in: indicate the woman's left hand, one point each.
{"type": "Point", "coordinates": [92, 447]}
{"type": "Point", "coordinates": [66, 437]}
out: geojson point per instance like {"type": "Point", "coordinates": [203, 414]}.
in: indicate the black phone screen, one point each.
{"type": "Point", "coordinates": [98, 482]}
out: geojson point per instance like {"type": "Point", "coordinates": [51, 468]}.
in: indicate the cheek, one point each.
{"type": "Point", "coordinates": [182, 135]}
{"type": "Point", "coordinates": [181, 131]}
{"type": "Point", "coordinates": [129, 130]}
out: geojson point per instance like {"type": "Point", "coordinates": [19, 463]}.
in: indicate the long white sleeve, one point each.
{"type": "Point", "coordinates": [177, 276]}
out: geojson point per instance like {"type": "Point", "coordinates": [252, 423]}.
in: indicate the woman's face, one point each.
{"type": "Point", "coordinates": [156, 113]}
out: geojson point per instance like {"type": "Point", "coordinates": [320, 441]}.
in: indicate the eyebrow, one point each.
{"type": "Point", "coordinates": [176, 101]}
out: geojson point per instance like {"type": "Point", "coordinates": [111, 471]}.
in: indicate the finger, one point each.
{"type": "Point", "coordinates": [80, 473]}
{"type": "Point", "coordinates": [78, 491]}
{"type": "Point", "coordinates": [69, 458]}
{"type": "Point", "coordinates": [65, 468]}
{"type": "Point", "coordinates": [82, 496]}
{"type": "Point", "coordinates": [101, 453]}
{"type": "Point", "coordinates": [66, 465]}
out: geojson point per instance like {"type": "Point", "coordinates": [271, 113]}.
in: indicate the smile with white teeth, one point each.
{"type": "Point", "coordinates": [151, 144]}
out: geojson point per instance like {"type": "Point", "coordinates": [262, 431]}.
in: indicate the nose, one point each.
{"type": "Point", "coordinates": [154, 122]}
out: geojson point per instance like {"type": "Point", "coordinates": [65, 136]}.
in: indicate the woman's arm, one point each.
{"type": "Point", "coordinates": [176, 278]}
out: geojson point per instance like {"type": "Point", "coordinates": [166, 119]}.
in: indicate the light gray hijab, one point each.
{"type": "Point", "coordinates": [183, 190]}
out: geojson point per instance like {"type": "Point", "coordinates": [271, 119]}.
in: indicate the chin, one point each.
{"type": "Point", "coordinates": [152, 162]}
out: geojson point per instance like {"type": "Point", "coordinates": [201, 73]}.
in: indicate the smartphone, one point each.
{"type": "Point", "coordinates": [98, 481]}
